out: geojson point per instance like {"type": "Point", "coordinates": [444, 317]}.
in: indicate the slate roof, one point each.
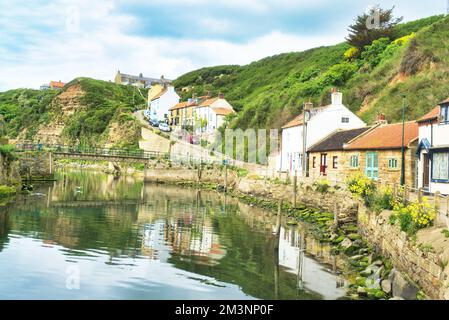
{"type": "Point", "coordinates": [337, 140]}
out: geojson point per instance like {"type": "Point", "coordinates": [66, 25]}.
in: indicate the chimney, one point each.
{"type": "Point", "coordinates": [209, 95]}
{"type": "Point", "coordinates": [140, 75]}
{"type": "Point", "coordinates": [337, 97]}
{"type": "Point", "coordinates": [381, 119]}
{"type": "Point", "coordinates": [308, 106]}
{"type": "Point", "coordinates": [220, 96]}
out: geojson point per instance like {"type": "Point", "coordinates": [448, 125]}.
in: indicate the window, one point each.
{"type": "Point", "coordinates": [354, 161]}
{"type": "Point", "coordinates": [393, 163]}
{"type": "Point", "coordinates": [335, 162]}
{"type": "Point", "coordinates": [314, 162]}
{"type": "Point", "coordinates": [440, 166]}
{"type": "Point", "coordinates": [345, 120]}
{"type": "Point", "coordinates": [444, 114]}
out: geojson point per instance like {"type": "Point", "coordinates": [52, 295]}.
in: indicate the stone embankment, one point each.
{"type": "Point", "coordinates": [9, 171]}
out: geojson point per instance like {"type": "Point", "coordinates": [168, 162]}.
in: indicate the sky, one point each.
{"type": "Point", "coordinates": [56, 40]}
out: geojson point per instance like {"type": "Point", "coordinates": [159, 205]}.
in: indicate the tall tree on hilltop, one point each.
{"type": "Point", "coordinates": [375, 24]}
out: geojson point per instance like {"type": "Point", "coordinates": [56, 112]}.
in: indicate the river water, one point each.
{"type": "Point", "coordinates": [90, 236]}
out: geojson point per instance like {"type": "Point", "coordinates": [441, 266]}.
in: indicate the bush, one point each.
{"type": "Point", "coordinates": [414, 216]}
{"type": "Point", "coordinates": [8, 151]}
{"type": "Point", "coordinates": [362, 187]}
{"type": "Point", "coordinates": [322, 186]}
{"type": "Point", "coordinates": [352, 53]}
{"type": "Point", "coordinates": [6, 191]}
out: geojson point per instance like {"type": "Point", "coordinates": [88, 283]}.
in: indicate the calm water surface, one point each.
{"type": "Point", "coordinates": [89, 236]}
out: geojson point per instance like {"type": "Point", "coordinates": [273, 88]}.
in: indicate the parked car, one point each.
{"type": "Point", "coordinates": [164, 127]}
{"type": "Point", "coordinates": [146, 114]}
{"type": "Point", "coordinates": [153, 123]}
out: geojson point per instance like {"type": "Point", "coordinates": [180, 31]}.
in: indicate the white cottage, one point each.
{"type": "Point", "coordinates": [320, 122]}
{"type": "Point", "coordinates": [433, 150]}
{"type": "Point", "coordinates": [160, 100]}
{"type": "Point", "coordinates": [210, 114]}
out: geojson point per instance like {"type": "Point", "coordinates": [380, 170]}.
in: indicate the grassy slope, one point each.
{"type": "Point", "coordinates": [102, 105]}
{"type": "Point", "coordinates": [268, 92]}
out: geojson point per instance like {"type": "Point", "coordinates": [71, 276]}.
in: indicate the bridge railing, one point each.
{"type": "Point", "coordinates": [90, 151]}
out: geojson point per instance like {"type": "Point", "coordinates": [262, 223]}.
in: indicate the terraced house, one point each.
{"type": "Point", "coordinates": [433, 150]}
{"type": "Point", "coordinates": [328, 158]}
{"type": "Point", "coordinates": [378, 153]}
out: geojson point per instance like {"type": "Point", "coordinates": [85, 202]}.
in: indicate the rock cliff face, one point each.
{"type": "Point", "coordinates": [9, 172]}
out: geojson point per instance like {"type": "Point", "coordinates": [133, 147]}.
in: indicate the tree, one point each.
{"type": "Point", "coordinates": [2, 126]}
{"type": "Point", "coordinates": [378, 23]}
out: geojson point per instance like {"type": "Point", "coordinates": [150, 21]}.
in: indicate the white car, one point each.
{"type": "Point", "coordinates": [164, 127]}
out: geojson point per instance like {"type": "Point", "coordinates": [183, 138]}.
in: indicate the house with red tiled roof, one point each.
{"type": "Point", "coordinates": [319, 123]}
{"type": "Point", "coordinates": [433, 150]}
{"type": "Point", "coordinates": [210, 114]}
{"type": "Point", "coordinates": [378, 153]}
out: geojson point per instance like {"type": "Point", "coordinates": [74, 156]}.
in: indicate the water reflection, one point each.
{"type": "Point", "coordinates": [136, 241]}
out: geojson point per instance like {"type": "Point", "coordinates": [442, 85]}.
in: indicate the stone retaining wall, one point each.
{"type": "Point", "coordinates": [9, 172]}
{"type": "Point", "coordinates": [306, 194]}
{"type": "Point", "coordinates": [423, 268]}
{"type": "Point", "coordinates": [36, 165]}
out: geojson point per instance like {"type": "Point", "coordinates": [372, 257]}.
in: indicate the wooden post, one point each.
{"type": "Point", "coordinates": [50, 160]}
{"type": "Point", "coordinates": [437, 201]}
{"type": "Point", "coordinates": [420, 194]}
{"type": "Point", "coordinates": [395, 190]}
{"type": "Point", "coordinates": [226, 179]}
{"type": "Point", "coordinates": [295, 186]}
{"type": "Point", "coordinates": [278, 225]}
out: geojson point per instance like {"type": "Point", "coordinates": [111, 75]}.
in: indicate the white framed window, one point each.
{"type": "Point", "coordinates": [354, 161]}
{"type": "Point", "coordinates": [440, 166]}
{"type": "Point", "coordinates": [444, 114]}
{"type": "Point", "coordinates": [393, 163]}
{"type": "Point", "coordinates": [345, 120]}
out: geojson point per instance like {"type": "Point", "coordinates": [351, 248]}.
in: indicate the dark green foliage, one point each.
{"type": "Point", "coordinates": [359, 34]}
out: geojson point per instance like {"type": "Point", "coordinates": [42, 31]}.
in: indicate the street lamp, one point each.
{"type": "Point", "coordinates": [307, 107]}
{"type": "Point", "coordinates": [404, 106]}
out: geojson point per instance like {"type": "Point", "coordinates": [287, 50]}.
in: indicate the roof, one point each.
{"type": "Point", "coordinates": [57, 84]}
{"type": "Point", "coordinates": [432, 115]}
{"type": "Point", "coordinates": [160, 94]}
{"type": "Point", "coordinates": [151, 80]}
{"type": "Point", "coordinates": [222, 111]}
{"type": "Point", "coordinates": [336, 141]}
{"type": "Point", "coordinates": [388, 136]}
{"type": "Point", "coordinates": [297, 121]}
{"type": "Point", "coordinates": [445, 101]}
{"type": "Point", "coordinates": [180, 105]}
{"type": "Point", "coordinates": [207, 102]}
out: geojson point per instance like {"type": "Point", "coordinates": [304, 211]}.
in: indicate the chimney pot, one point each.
{"type": "Point", "coordinates": [337, 98]}
{"type": "Point", "coordinates": [220, 96]}
{"type": "Point", "coordinates": [308, 106]}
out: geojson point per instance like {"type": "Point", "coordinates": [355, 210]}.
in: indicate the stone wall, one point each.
{"type": "Point", "coordinates": [9, 172]}
{"type": "Point", "coordinates": [36, 165]}
{"type": "Point", "coordinates": [305, 194]}
{"type": "Point", "coordinates": [426, 269]}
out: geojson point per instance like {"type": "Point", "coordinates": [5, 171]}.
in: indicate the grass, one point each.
{"type": "Point", "coordinates": [6, 191]}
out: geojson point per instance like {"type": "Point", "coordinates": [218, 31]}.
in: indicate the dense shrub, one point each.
{"type": "Point", "coordinates": [414, 216]}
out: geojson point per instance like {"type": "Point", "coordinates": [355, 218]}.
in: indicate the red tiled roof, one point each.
{"type": "Point", "coordinates": [432, 115]}
{"type": "Point", "coordinates": [180, 105]}
{"type": "Point", "coordinates": [297, 121]}
{"type": "Point", "coordinates": [207, 102]}
{"type": "Point", "coordinates": [57, 84]}
{"type": "Point", "coordinates": [222, 111]}
{"type": "Point", "coordinates": [160, 94]}
{"type": "Point", "coordinates": [387, 136]}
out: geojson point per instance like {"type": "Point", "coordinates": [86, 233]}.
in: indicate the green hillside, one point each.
{"type": "Point", "coordinates": [97, 106]}
{"type": "Point", "coordinates": [269, 92]}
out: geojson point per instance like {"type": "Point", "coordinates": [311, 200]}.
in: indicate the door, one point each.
{"type": "Point", "coordinates": [372, 165]}
{"type": "Point", "coordinates": [426, 172]}
{"type": "Point", "coordinates": [323, 164]}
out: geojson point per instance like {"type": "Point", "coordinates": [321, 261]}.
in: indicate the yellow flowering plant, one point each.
{"type": "Point", "coordinates": [362, 186]}
{"type": "Point", "coordinates": [414, 216]}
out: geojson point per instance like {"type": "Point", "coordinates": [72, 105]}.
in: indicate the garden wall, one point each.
{"type": "Point", "coordinates": [423, 260]}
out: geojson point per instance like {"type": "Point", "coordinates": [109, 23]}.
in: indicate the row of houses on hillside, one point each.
{"type": "Point", "coordinates": [204, 114]}
{"type": "Point", "coordinates": [335, 143]}
{"type": "Point", "coordinates": [139, 81]}
{"type": "Point", "coordinates": [53, 85]}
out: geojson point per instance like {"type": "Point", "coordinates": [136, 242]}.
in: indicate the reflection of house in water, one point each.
{"type": "Point", "coordinates": [311, 275]}
{"type": "Point", "coordinates": [182, 235]}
